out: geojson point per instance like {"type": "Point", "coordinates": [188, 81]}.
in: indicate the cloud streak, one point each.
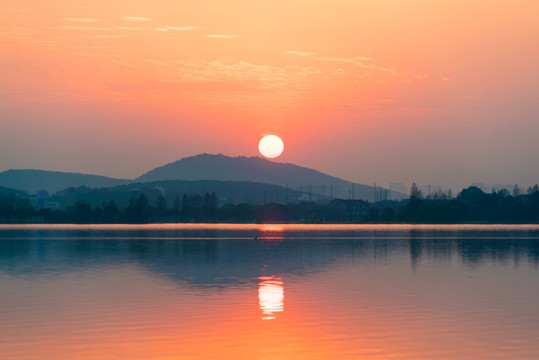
{"type": "Point", "coordinates": [222, 36]}
{"type": "Point", "coordinates": [129, 28]}
{"type": "Point", "coordinates": [177, 28]}
{"type": "Point", "coordinates": [136, 18]}
{"type": "Point", "coordinates": [112, 36]}
{"type": "Point", "coordinates": [339, 71]}
{"type": "Point", "coordinates": [309, 71]}
{"type": "Point", "coordinates": [249, 74]}
{"type": "Point", "coordinates": [299, 53]}
{"type": "Point", "coordinates": [182, 28]}
{"type": "Point", "coordinates": [83, 28]}
{"type": "Point", "coordinates": [362, 63]}
{"type": "Point", "coordinates": [82, 20]}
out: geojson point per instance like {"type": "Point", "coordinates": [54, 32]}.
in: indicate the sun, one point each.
{"type": "Point", "coordinates": [271, 146]}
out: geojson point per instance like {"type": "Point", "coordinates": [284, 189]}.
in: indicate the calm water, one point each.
{"type": "Point", "coordinates": [269, 292]}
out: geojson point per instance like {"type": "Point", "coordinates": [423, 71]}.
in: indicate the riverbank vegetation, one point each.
{"type": "Point", "coordinates": [471, 205]}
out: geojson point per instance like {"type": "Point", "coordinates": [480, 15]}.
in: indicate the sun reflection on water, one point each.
{"type": "Point", "coordinates": [270, 296]}
{"type": "Point", "coordinates": [271, 232]}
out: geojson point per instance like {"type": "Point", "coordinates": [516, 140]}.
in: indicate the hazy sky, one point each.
{"type": "Point", "coordinates": [442, 92]}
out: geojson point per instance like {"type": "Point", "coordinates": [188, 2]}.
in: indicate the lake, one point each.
{"type": "Point", "coordinates": [226, 291]}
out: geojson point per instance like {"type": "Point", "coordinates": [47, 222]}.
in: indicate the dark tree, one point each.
{"type": "Point", "coordinates": [139, 210]}
{"type": "Point", "coordinates": [388, 215]}
{"type": "Point", "coordinates": [111, 213]}
{"type": "Point", "coordinates": [82, 212]}
{"type": "Point", "coordinates": [415, 193]}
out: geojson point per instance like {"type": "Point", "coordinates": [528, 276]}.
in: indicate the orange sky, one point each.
{"type": "Point", "coordinates": [440, 92]}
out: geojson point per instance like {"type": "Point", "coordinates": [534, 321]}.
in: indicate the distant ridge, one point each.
{"type": "Point", "coordinates": [7, 191]}
{"type": "Point", "coordinates": [33, 181]}
{"type": "Point", "coordinates": [255, 169]}
{"type": "Point", "coordinates": [228, 192]}
{"type": "Point", "coordinates": [308, 183]}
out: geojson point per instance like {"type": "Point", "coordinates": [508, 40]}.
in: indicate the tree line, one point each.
{"type": "Point", "coordinates": [470, 205]}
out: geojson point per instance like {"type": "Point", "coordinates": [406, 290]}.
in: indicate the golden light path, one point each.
{"type": "Point", "coordinates": [270, 296]}
{"type": "Point", "coordinates": [271, 146]}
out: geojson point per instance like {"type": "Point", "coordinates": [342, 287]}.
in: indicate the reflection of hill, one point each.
{"type": "Point", "coordinates": [220, 257]}
{"type": "Point", "coordinates": [199, 262]}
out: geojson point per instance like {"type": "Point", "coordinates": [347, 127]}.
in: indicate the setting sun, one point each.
{"type": "Point", "coordinates": [271, 146]}
{"type": "Point", "coordinates": [395, 225]}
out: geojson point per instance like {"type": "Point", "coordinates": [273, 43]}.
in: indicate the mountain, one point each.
{"type": "Point", "coordinates": [234, 178]}
{"type": "Point", "coordinates": [228, 192]}
{"type": "Point", "coordinates": [255, 169]}
{"type": "Point", "coordinates": [33, 181]}
{"type": "Point", "coordinates": [8, 191]}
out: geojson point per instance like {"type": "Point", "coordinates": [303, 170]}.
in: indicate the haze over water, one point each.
{"type": "Point", "coordinates": [269, 292]}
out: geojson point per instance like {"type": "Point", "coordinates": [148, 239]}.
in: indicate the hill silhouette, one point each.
{"type": "Point", "coordinates": [7, 191]}
{"type": "Point", "coordinates": [255, 169]}
{"type": "Point", "coordinates": [310, 184]}
{"type": "Point", "coordinates": [33, 181]}
{"type": "Point", "coordinates": [227, 191]}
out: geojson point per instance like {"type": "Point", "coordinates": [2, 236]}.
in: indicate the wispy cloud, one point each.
{"type": "Point", "coordinates": [82, 20]}
{"type": "Point", "coordinates": [112, 36]}
{"type": "Point", "coordinates": [251, 75]}
{"type": "Point", "coordinates": [309, 71]}
{"type": "Point", "coordinates": [346, 60]}
{"type": "Point", "coordinates": [447, 79]}
{"type": "Point", "coordinates": [339, 71]}
{"type": "Point", "coordinates": [129, 28]}
{"type": "Point", "coordinates": [182, 28]}
{"type": "Point", "coordinates": [155, 62]}
{"type": "Point", "coordinates": [136, 18]}
{"type": "Point", "coordinates": [176, 28]}
{"type": "Point", "coordinates": [299, 53]}
{"type": "Point", "coordinates": [222, 36]}
{"type": "Point", "coordinates": [83, 28]}
{"type": "Point", "coordinates": [362, 62]}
